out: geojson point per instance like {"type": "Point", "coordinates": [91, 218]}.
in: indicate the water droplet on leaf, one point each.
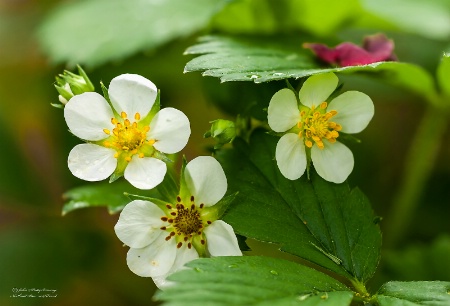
{"type": "Point", "coordinates": [274, 272]}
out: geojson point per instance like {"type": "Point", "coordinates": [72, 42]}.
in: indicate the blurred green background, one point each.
{"type": "Point", "coordinates": [78, 254]}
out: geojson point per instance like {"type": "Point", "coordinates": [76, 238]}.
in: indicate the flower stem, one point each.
{"type": "Point", "coordinates": [418, 166]}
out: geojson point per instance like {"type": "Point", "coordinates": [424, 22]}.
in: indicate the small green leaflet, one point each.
{"type": "Point", "coordinates": [414, 294]}
{"type": "Point", "coordinates": [325, 223]}
{"type": "Point", "coordinates": [97, 31]}
{"type": "Point", "coordinates": [252, 280]}
{"type": "Point", "coordinates": [263, 59]}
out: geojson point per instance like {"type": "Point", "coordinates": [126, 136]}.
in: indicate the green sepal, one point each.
{"type": "Point", "coordinates": [76, 89]}
{"type": "Point", "coordinates": [349, 138]}
{"type": "Point", "coordinates": [160, 203]}
{"type": "Point", "coordinates": [162, 156]}
{"type": "Point", "coordinates": [169, 188]}
{"type": "Point", "coordinates": [153, 111]}
{"type": "Point", "coordinates": [120, 169]}
{"type": "Point", "coordinates": [184, 193]}
{"type": "Point", "coordinates": [63, 92]}
{"type": "Point", "coordinates": [86, 78]}
{"type": "Point", "coordinates": [199, 247]}
{"type": "Point", "coordinates": [216, 211]}
{"type": "Point", "coordinates": [59, 105]}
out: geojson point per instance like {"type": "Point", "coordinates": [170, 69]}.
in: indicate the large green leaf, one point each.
{"type": "Point", "coordinates": [322, 222]}
{"type": "Point", "coordinates": [253, 281]}
{"type": "Point", "coordinates": [263, 59]}
{"type": "Point", "coordinates": [96, 31]}
{"type": "Point", "coordinates": [414, 293]}
{"type": "Point", "coordinates": [443, 74]}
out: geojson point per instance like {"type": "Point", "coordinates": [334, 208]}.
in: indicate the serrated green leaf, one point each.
{"type": "Point", "coordinates": [322, 222]}
{"type": "Point", "coordinates": [252, 281]}
{"type": "Point", "coordinates": [443, 74]}
{"type": "Point", "coordinates": [267, 59]}
{"type": "Point", "coordinates": [414, 293]}
{"type": "Point", "coordinates": [97, 31]}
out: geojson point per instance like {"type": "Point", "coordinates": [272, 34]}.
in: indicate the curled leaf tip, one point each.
{"type": "Point", "coordinates": [375, 48]}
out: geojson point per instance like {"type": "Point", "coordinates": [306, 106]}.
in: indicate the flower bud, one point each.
{"type": "Point", "coordinates": [70, 84]}
{"type": "Point", "coordinates": [224, 131]}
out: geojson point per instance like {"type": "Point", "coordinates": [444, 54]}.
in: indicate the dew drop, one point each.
{"type": "Point", "coordinates": [253, 76]}
{"type": "Point", "coordinates": [274, 272]}
{"type": "Point", "coordinates": [198, 269]}
{"type": "Point", "coordinates": [291, 57]}
{"type": "Point", "coordinates": [232, 266]}
{"type": "Point", "coordinates": [277, 74]}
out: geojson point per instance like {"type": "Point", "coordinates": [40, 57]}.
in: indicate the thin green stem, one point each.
{"type": "Point", "coordinates": [418, 166]}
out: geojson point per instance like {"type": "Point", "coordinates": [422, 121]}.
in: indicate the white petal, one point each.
{"type": "Point", "coordinates": [87, 115]}
{"type": "Point", "coordinates": [139, 223]}
{"type": "Point", "coordinates": [155, 259]}
{"type": "Point", "coordinates": [333, 163]}
{"type": "Point", "coordinates": [283, 112]}
{"type": "Point", "coordinates": [317, 89]}
{"type": "Point", "coordinates": [91, 162]}
{"type": "Point", "coordinates": [221, 240]}
{"type": "Point", "coordinates": [132, 93]}
{"type": "Point", "coordinates": [145, 173]}
{"type": "Point", "coordinates": [291, 156]}
{"type": "Point", "coordinates": [355, 110]}
{"type": "Point", "coordinates": [184, 255]}
{"type": "Point", "coordinates": [205, 180]}
{"type": "Point", "coordinates": [171, 130]}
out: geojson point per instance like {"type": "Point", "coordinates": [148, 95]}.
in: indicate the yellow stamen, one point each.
{"type": "Point", "coordinates": [141, 155]}
{"type": "Point", "coordinates": [127, 122]}
{"type": "Point", "coordinates": [107, 131]}
{"type": "Point", "coordinates": [125, 148]}
{"type": "Point", "coordinates": [134, 125]}
{"type": "Point", "coordinates": [114, 121]}
{"type": "Point", "coordinates": [300, 134]}
{"type": "Point", "coordinates": [123, 115]}
{"type": "Point", "coordinates": [116, 155]}
{"type": "Point", "coordinates": [308, 143]}
{"type": "Point", "coordinates": [151, 142]}
{"type": "Point", "coordinates": [128, 159]}
{"type": "Point", "coordinates": [107, 144]}
{"type": "Point", "coordinates": [137, 116]}
{"type": "Point", "coordinates": [134, 151]}
{"type": "Point", "coordinates": [323, 105]}
{"type": "Point", "coordinates": [146, 128]}
{"type": "Point", "coordinates": [338, 127]}
{"type": "Point", "coordinates": [299, 124]}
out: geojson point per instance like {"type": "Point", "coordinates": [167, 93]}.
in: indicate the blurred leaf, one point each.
{"type": "Point", "coordinates": [253, 280]}
{"type": "Point", "coordinates": [97, 31]}
{"type": "Point", "coordinates": [420, 261]}
{"type": "Point", "coordinates": [271, 16]}
{"type": "Point", "coordinates": [103, 194]}
{"type": "Point", "coordinates": [414, 293]}
{"type": "Point", "coordinates": [262, 60]}
{"type": "Point", "coordinates": [322, 222]}
{"type": "Point", "coordinates": [443, 74]}
{"type": "Point", "coordinates": [427, 18]}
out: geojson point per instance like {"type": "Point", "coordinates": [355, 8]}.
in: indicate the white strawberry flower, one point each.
{"type": "Point", "coordinates": [312, 127]}
{"type": "Point", "coordinates": [164, 236]}
{"type": "Point", "coordinates": [129, 138]}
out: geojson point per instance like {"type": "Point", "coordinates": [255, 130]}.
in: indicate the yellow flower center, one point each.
{"type": "Point", "coordinates": [185, 222]}
{"type": "Point", "coordinates": [316, 125]}
{"type": "Point", "coordinates": [127, 136]}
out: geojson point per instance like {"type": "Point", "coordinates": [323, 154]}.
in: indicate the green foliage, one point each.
{"type": "Point", "coordinates": [263, 59]}
{"type": "Point", "coordinates": [103, 194]}
{"type": "Point", "coordinates": [414, 293]}
{"type": "Point", "coordinates": [322, 222]}
{"type": "Point", "coordinates": [443, 74]}
{"type": "Point", "coordinates": [251, 281]}
{"type": "Point", "coordinates": [97, 31]}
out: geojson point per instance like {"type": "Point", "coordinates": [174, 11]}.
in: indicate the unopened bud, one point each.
{"type": "Point", "coordinates": [224, 131]}
{"type": "Point", "coordinates": [69, 84]}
